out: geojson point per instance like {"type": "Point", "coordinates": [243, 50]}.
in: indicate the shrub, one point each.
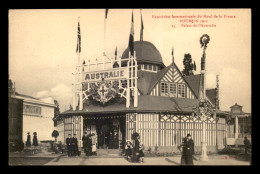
{"type": "Point", "coordinates": [55, 134]}
{"type": "Point", "coordinates": [230, 151]}
{"type": "Point", "coordinates": [19, 146]}
{"type": "Point", "coordinates": [16, 145]}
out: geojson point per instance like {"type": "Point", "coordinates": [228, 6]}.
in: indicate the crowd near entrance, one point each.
{"type": "Point", "coordinates": [110, 131]}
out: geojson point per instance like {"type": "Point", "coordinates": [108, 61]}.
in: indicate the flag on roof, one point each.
{"type": "Point", "coordinates": [106, 13]}
{"type": "Point", "coordinates": [131, 37]}
{"type": "Point", "coordinates": [78, 50]}
{"type": "Point", "coordinates": [142, 28]}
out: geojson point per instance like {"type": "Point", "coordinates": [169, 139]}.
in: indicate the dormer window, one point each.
{"type": "Point", "coordinates": [181, 90]}
{"type": "Point", "coordinates": [173, 90]}
{"type": "Point", "coordinates": [164, 89]}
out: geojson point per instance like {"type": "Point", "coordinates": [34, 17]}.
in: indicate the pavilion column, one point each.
{"type": "Point", "coordinates": [236, 127]}
{"type": "Point", "coordinates": [81, 131]}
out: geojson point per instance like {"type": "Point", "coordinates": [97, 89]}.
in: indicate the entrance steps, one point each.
{"type": "Point", "coordinates": [109, 153]}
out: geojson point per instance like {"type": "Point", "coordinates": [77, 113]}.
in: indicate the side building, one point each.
{"type": "Point", "coordinates": [239, 126]}
{"type": "Point", "coordinates": [36, 116]}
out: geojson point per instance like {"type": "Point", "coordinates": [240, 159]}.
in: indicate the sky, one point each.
{"type": "Point", "coordinates": [42, 46]}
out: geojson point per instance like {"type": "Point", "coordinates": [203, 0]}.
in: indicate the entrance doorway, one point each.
{"type": "Point", "coordinates": [110, 131]}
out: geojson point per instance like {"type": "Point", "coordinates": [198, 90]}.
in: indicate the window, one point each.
{"type": "Point", "coordinates": [154, 67]}
{"type": "Point", "coordinates": [173, 90]}
{"type": "Point", "coordinates": [150, 67]}
{"type": "Point", "coordinates": [164, 89]}
{"type": "Point", "coordinates": [145, 66]}
{"type": "Point", "coordinates": [181, 90]}
{"type": "Point", "coordinates": [139, 67]}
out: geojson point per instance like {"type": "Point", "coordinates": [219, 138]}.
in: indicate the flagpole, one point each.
{"type": "Point", "coordinates": [79, 77]}
{"type": "Point", "coordinates": [141, 32]}
{"type": "Point", "coordinates": [104, 53]}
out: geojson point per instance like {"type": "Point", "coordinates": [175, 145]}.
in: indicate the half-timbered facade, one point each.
{"type": "Point", "coordinates": [154, 100]}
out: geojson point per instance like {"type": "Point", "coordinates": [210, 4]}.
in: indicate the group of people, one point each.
{"type": "Point", "coordinates": [134, 152]}
{"type": "Point", "coordinates": [72, 145]}
{"type": "Point", "coordinates": [108, 140]}
{"type": "Point", "coordinates": [35, 141]}
{"type": "Point", "coordinates": [187, 148]}
{"type": "Point", "coordinates": [89, 143]}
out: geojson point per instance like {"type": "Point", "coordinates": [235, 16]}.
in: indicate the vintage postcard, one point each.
{"type": "Point", "coordinates": [129, 87]}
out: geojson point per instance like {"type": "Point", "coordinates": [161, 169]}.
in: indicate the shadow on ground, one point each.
{"type": "Point", "coordinates": [170, 161]}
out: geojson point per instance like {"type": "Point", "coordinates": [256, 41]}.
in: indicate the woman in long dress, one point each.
{"type": "Point", "coordinates": [28, 142]}
{"type": "Point", "coordinates": [94, 144]}
{"type": "Point", "coordinates": [141, 148]}
{"type": "Point", "coordinates": [182, 149]}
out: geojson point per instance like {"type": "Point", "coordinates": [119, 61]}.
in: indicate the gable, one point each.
{"type": "Point", "coordinates": [171, 74]}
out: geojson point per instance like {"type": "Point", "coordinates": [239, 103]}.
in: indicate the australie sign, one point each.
{"type": "Point", "coordinates": [112, 74]}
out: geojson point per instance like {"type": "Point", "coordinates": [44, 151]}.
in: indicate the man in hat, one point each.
{"type": "Point", "coordinates": [75, 145]}
{"type": "Point", "coordinates": [84, 141]}
{"type": "Point", "coordinates": [88, 143]}
{"type": "Point", "coordinates": [69, 145]}
{"type": "Point", "coordinates": [189, 150]}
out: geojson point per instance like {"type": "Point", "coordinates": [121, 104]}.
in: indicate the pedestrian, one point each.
{"type": "Point", "coordinates": [189, 150]}
{"type": "Point", "coordinates": [75, 150]}
{"type": "Point", "coordinates": [35, 141]}
{"type": "Point", "coordinates": [88, 144]}
{"type": "Point", "coordinates": [94, 144]}
{"type": "Point", "coordinates": [84, 142]}
{"type": "Point", "coordinates": [28, 142]}
{"type": "Point", "coordinates": [128, 150]}
{"type": "Point", "coordinates": [116, 146]}
{"type": "Point", "coordinates": [68, 143]}
{"type": "Point", "coordinates": [100, 140]}
{"type": "Point", "coordinates": [141, 148]}
{"type": "Point", "coordinates": [135, 157]}
{"type": "Point", "coordinates": [247, 147]}
{"type": "Point", "coordinates": [111, 140]}
{"type": "Point", "coordinates": [182, 149]}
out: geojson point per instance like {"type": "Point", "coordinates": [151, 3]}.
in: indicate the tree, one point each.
{"type": "Point", "coordinates": [188, 66]}
{"type": "Point", "coordinates": [55, 134]}
{"type": "Point", "coordinates": [56, 112]}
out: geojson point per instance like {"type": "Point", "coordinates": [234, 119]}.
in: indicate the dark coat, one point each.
{"type": "Point", "coordinates": [188, 151]}
{"type": "Point", "coordinates": [189, 147]}
{"type": "Point", "coordinates": [69, 145]}
{"type": "Point", "coordinates": [247, 144]}
{"type": "Point", "coordinates": [84, 140]}
{"type": "Point", "coordinates": [68, 141]}
{"type": "Point", "coordinates": [28, 142]}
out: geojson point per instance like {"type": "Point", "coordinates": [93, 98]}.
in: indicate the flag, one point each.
{"type": "Point", "coordinates": [142, 28]}
{"type": "Point", "coordinates": [172, 55]}
{"type": "Point", "coordinates": [106, 13]}
{"type": "Point", "coordinates": [116, 53]}
{"type": "Point", "coordinates": [194, 66]}
{"type": "Point", "coordinates": [131, 37]}
{"type": "Point", "coordinates": [78, 50]}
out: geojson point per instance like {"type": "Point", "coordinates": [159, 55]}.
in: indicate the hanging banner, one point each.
{"type": "Point", "coordinates": [112, 74]}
